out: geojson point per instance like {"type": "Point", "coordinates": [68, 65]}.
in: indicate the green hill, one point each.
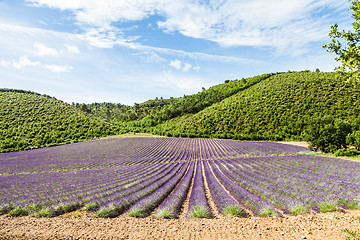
{"type": "Point", "coordinates": [30, 120]}
{"type": "Point", "coordinates": [276, 108]}
{"type": "Point", "coordinates": [266, 107]}
{"type": "Point", "coordinates": [154, 112]}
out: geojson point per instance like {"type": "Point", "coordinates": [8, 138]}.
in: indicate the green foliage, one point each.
{"type": "Point", "coordinates": [353, 139]}
{"type": "Point", "coordinates": [154, 112]}
{"type": "Point", "coordinates": [267, 107]}
{"type": "Point", "coordinates": [199, 211]}
{"type": "Point", "coordinates": [347, 152]}
{"type": "Point", "coordinates": [328, 207]}
{"type": "Point", "coordinates": [91, 207]}
{"type": "Point", "coordinates": [29, 120]}
{"type": "Point", "coordinates": [268, 212]}
{"type": "Point", "coordinates": [165, 213]}
{"type": "Point", "coordinates": [234, 210]}
{"type": "Point", "coordinates": [327, 134]}
{"type": "Point", "coordinates": [276, 108]}
{"type": "Point", "coordinates": [108, 212]}
{"type": "Point", "coordinates": [44, 212]}
{"type": "Point", "coordinates": [19, 211]}
{"type": "Point", "coordinates": [137, 212]}
{"type": "Point", "coordinates": [352, 235]}
{"type": "Point", "coordinates": [350, 55]}
{"type": "Point", "coordinates": [299, 209]}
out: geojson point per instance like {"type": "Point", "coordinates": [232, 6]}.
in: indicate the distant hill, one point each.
{"type": "Point", "coordinates": [266, 107]}
{"type": "Point", "coordinates": [277, 108]}
{"type": "Point", "coordinates": [30, 120]}
{"type": "Point", "coordinates": [154, 112]}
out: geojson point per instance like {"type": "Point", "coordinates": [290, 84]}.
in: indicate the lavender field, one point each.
{"type": "Point", "coordinates": [153, 176]}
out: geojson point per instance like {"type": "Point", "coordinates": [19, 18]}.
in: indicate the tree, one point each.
{"type": "Point", "coordinates": [350, 55]}
{"type": "Point", "coordinates": [327, 134]}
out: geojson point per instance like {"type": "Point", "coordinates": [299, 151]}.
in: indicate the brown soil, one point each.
{"type": "Point", "coordinates": [312, 226]}
{"type": "Point", "coordinates": [300, 144]}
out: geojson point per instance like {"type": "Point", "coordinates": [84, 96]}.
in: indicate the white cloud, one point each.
{"type": "Point", "coordinates": [185, 67]}
{"type": "Point", "coordinates": [58, 68]}
{"type": "Point", "coordinates": [5, 64]}
{"type": "Point", "coordinates": [189, 84]}
{"type": "Point", "coordinates": [279, 24]}
{"type": "Point", "coordinates": [24, 62]}
{"type": "Point", "coordinates": [44, 50]}
{"type": "Point", "coordinates": [72, 48]}
{"type": "Point", "coordinates": [175, 64]}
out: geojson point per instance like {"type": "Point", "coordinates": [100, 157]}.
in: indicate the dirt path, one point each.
{"type": "Point", "coordinates": [319, 226]}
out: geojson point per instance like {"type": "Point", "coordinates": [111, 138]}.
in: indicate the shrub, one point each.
{"type": "Point", "coordinates": [137, 212]}
{"type": "Point", "coordinates": [19, 211]}
{"type": "Point", "coordinates": [5, 208]}
{"type": "Point", "coordinates": [234, 210]}
{"type": "Point", "coordinates": [93, 206]}
{"type": "Point", "coordinates": [44, 212]}
{"type": "Point", "coordinates": [165, 213]}
{"type": "Point", "coordinates": [347, 152]}
{"type": "Point", "coordinates": [328, 207]}
{"type": "Point", "coordinates": [268, 212]}
{"type": "Point", "coordinates": [199, 211]}
{"type": "Point", "coordinates": [110, 211]}
{"type": "Point", "coordinates": [299, 209]}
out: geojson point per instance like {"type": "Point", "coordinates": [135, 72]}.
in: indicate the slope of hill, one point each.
{"type": "Point", "coordinates": [266, 107]}
{"type": "Point", "coordinates": [154, 112]}
{"type": "Point", "coordinates": [277, 108]}
{"type": "Point", "coordinates": [30, 120]}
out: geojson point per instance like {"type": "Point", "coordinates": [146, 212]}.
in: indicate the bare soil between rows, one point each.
{"type": "Point", "coordinates": [311, 226]}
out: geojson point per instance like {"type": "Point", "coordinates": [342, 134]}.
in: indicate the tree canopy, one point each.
{"type": "Point", "coordinates": [349, 55]}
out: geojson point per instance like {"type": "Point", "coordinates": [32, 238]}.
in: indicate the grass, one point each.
{"type": "Point", "coordinates": [44, 212]}
{"type": "Point", "coordinates": [234, 210]}
{"type": "Point", "coordinates": [299, 209]}
{"type": "Point", "coordinates": [19, 211]}
{"type": "Point", "coordinates": [268, 212]}
{"type": "Point", "coordinates": [352, 235]}
{"type": "Point", "coordinates": [92, 207]}
{"type": "Point", "coordinates": [165, 213]}
{"type": "Point", "coordinates": [199, 211]}
{"type": "Point", "coordinates": [354, 204]}
{"type": "Point", "coordinates": [106, 212]}
{"type": "Point", "coordinates": [5, 208]}
{"type": "Point", "coordinates": [328, 207]}
{"type": "Point", "coordinates": [137, 212]}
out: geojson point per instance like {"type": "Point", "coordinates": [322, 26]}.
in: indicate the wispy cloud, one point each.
{"type": "Point", "coordinates": [181, 66]}
{"type": "Point", "coordinates": [44, 50]}
{"type": "Point", "coordinates": [279, 24]}
{"type": "Point", "coordinates": [24, 62]}
{"type": "Point", "coordinates": [72, 48]}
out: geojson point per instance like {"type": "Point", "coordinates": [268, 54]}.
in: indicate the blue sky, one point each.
{"type": "Point", "coordinates": [129, 51]}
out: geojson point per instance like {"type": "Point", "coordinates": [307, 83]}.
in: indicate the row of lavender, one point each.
{"type": "Point", "coordinates": [119, 152]}
{"type": "Point", "coordinates": [262, 185]}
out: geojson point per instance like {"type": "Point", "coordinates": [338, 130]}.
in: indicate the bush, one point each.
{"type": "Point", "coordinates": [268, 212]}
{"type": "Point", "coordinates": [299, 209]}
{"type": "Point", "coordinates": [165, 213]}
{"type": "Point", "coordinates": [234, 210]}
{"type": "Point", "coordinates": [199, 211]}
{"type": "Point", "coordinates": [328, 207]}
{"type": "Point", "coordinates": [347, 152]}
{"type": "Point", "coordinates": [327, 134]}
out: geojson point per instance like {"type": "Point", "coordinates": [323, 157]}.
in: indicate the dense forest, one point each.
{"type": "Point", "coordinates": [278, 106]}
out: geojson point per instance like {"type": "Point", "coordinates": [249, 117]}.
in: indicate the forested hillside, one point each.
{"type": "Point", "coordinates": [30, 120]}
{"type": "Point", "coordinates": [266, 107]}
{"type": "Point", "coordinates": [277, 108]}
{"type": "Point", "coordinates": [154, 112]}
